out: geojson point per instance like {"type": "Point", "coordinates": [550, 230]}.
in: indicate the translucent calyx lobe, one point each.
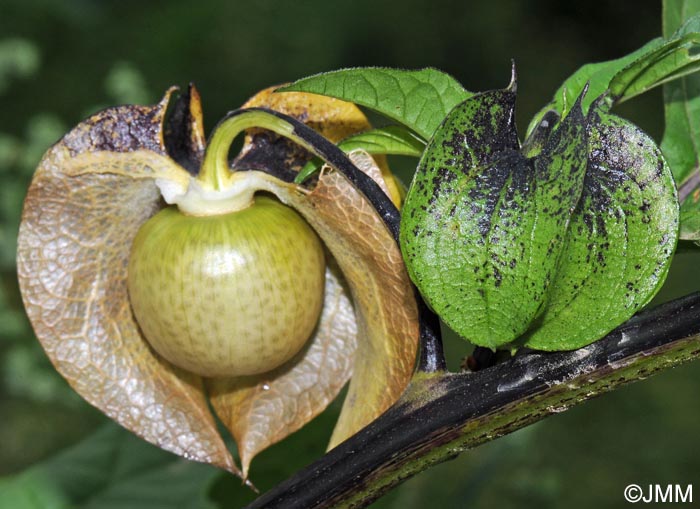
{"type": "Point", "coordinates": [108, 176]}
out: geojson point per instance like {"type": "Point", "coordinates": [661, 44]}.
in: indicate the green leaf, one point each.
{"type": "Point", "coordinates": [597, 76]}
{"type": "Point", "coordinates": [395, 140]}
{"type": "Point", "coordinates": [391, 140]}
{"type": "Point", "coordinates": [678, 57]}
{"type": "Point", "coordinates": [676, 13]}
{"type": "Point", "coordinates": [35, 492]}
{"type": "Point", "coordinates": [621, 238]}
{"type": "Point", "coordinates": [657, 62]}
{"type": "Point", "coordinates": [111, 469]}
{"type": "Point", "coordinates": [483, 225]}
{"type": "Point", "coordinates": [690, 218]}
{"type": "Point", "coordinates": [418, 99]}
{"type": "Point", "coordinates": [681, 140]}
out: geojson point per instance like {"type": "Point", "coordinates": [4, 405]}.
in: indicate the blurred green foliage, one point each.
{"type": "Point", "coordinates": [61, 60]}
{"type": "Point", "coordinates": [19, 58]}
{"type": "Point", "coordinates": [111, 470]}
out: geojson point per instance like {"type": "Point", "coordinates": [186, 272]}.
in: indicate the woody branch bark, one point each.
{"type": "Point", "coordinates": [441, 415]}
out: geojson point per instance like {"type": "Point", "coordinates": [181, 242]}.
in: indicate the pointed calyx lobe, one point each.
{"type": "Point", "coordinates": [184, 131]}
{"type": "Point", "coordinates": [486, 225]}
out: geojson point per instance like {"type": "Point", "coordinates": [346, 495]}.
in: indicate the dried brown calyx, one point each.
{"type": "Point", "coordinates": [108, 176]}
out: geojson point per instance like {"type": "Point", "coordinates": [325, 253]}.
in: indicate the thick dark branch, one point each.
{"type": "Point", "coordinates": [442, 415]}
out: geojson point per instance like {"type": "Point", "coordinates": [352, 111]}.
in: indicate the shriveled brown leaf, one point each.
{"type": "Point", "coordinates": [333, 118]}
{"type": "Point", "coordinates": [385, 306]}
{"type": "Point", "coordinates": [262, 410]}
{"type": "Point", "coordinates": [74, 244]}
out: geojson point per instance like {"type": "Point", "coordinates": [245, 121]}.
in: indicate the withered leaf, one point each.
{"type": "Point", "coordinates": [74, 243]}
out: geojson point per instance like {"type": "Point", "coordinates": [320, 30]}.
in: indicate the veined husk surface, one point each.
{"type": "Point", "coordinates": [96, 187]}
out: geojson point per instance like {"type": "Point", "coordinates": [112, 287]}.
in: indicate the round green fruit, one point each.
{"type": "Point", "coordinates": [227, 295]}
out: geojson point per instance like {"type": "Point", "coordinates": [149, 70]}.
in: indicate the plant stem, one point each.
{"type": "Point", "coordinates": [442, 415]}
{"type": "Point", "coordinates": [431, 357]}
{"type": "Point", "coordinates": [215, 167]}
{"type": "Point", "coordinates": [689, 185]}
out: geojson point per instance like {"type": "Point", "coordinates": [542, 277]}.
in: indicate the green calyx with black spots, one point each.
{"type": "Point", "coordinates": [550, 244]}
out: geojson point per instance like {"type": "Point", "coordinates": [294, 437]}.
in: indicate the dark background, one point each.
{"type": "Point", "coordinates": [61, 60]}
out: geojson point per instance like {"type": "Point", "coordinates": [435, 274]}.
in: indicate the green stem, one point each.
{"type": "Point", "coordinates": [216, 172]}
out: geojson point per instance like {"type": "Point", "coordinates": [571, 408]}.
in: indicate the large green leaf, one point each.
{"type": "Point", "coordinates": [418, 99]}
{"type": "Point", "coordinates": [658, 62]}
{"type": "Point", "coordinates": [681, 140]}
{"type": "Point", "coordinates": [393, 139]}
{"type": "Point", "coordinates": [597, 77]}
{"type": "Point", "coordinates": [111, 469]}
{"type": "Point", "coordinates": [676, 13]}
{"type": "Point", "coordinates": [677, 57]}
{"type": "Point", "coordinates": [483, 225]}
{"type": "Point", "coordinates": [620, 240]}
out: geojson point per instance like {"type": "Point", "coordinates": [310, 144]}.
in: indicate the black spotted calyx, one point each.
{"type": "Point", "coordinates": [551, 244]}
